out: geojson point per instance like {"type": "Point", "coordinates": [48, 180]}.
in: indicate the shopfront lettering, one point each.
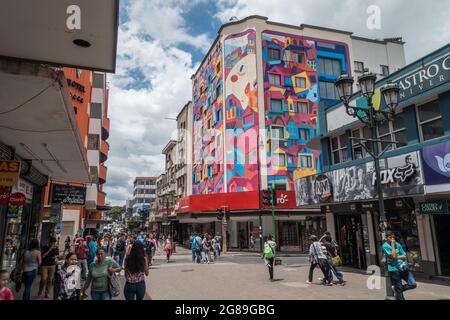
{"type": "Point", "coordinates": [395, 174]}
{"type": "Point", "coordinates": [425, 78]}
{"type": "Point", "coordinates": [323, 187]}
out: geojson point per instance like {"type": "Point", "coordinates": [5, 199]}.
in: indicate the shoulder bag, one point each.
{"type": "Point", "coordinates": [113, 284]}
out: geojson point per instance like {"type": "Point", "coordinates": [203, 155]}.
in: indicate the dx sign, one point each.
{"type": "Point", "coordinates": [73, 21]}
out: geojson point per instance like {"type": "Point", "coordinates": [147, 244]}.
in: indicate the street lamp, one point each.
{"type": "Point", "coordinates": [373, 118]}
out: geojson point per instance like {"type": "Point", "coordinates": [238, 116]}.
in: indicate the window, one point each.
{"type": "Point", "coordinates": [384, 70]}
{"type": "Point", "coordinates": [300, 82]}
{"type": "Point", "coordinates": [328, 90]}
{"type": "Point", "coordinates": [298, 57]}
{"type": "Point", "coordinates": [430, 120]}
{"type": "Point", "coordinates": [96, 111]}
{"type": "Point", "coordinates": [330, 67]}
{"type": "Point", "coordinates": [279, 185]}
{"type": "Point", "coordinates": [305, 161]}
{"type": "Point", "coordinates": [393, 131]}
{"type": "Point", "coordinates": [276, 105]}
{"type": "Point", "coordinates": [358, 149]}
{"type": "Point", "coordinates": [274, 54]}
{"type": "Point", "coordinates": [93, 172]}
{"type": "Point", "coordinates": [277, 132]}
{"type": "Point", "coordinates": [303, 134]}
{"type": "Point", "coordinates": [279, 160]}
{"type": "Point", "coordinates": [339, 149]}
{"type": "Point", "coordinates": [93, 142]}
{"type": "Point", "coordinates": [302, 107]}
{"type": "Point", "coordinates": [359, 66]}
{"type": "Point", "coordinates": [275, 79]}
{"type": "Point", "coordinates": [99, 81]}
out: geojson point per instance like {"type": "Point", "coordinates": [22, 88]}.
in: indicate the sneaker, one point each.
{"type": "Point", "coordinates": [308, 282]}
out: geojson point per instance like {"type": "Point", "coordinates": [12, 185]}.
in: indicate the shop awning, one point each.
{"type": "Point", "coordinates": [37, 119]}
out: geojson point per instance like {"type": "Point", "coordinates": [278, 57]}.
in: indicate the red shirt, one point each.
{"type": "Point", "coordinates": [82, 251]}
{"type": "Point", "coordinates": [6, 294]}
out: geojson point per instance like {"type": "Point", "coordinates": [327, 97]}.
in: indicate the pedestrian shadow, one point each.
{"type": "Point", "coordinates": [274, 280]}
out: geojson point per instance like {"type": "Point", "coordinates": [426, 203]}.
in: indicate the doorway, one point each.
{"type": "Point", "coordinates": [351, 240]}
{"type": "Point", "coordinates": [243, 235]}
{"type": "Point", "coordinates": [442, 225]}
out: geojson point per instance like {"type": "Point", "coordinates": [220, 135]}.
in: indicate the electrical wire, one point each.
{"type": "Point", "coordinates": [24, 103]}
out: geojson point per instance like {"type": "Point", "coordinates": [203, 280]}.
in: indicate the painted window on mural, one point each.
{"type": "Point", "coordinates": [275, 79]}
{"type": "Point", "coordinates": [305, 161]}
{"type": "Point", "coordinates": [276, 105]}
{"type": "Point", "coordinates": [298, 57]}
{"type": "Point", "coordinates": [277, 132]}
{"type": "Point", "coordinates": [328, 90]}
{"type": "Point", "coordinates": [331, 67]}
{"type": "Point", "coordinates": [279, 160]}
{"type": "Point", "coordinates": [302, 107]}
{"type": "Point", "coordinates": [303, 134]}
{"type": "Point", "coordinates": [274, 54]}
{"type": "Point", "coordinates": [430, 120]}
{"type": "Point", "coordinates": [300, 82]}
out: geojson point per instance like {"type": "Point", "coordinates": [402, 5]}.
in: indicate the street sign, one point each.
{"type": "Point", "coordinates": [434, 207]}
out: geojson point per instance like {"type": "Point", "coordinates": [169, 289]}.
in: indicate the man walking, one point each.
{"type": "Point", "coordinates": [269, 254]}
{"type": "Point", "coordinates": [121, 247]}
{"type": "Point", "coordinates": [49, 258]}
{"type": "Point", "coordinates": [318, 258]}
{"type": "Point", "coordinates": [398, 267]}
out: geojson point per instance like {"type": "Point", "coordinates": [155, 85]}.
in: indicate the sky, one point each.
{"type": "Point", "coordinates": [162, 42]}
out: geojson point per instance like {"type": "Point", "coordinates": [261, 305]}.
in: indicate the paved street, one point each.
{"type": "Point", "coordinates": [245, 277]}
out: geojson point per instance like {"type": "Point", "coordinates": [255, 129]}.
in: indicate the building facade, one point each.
{"type": "Point", "coordinates": [144, 194]}
{"type": "Point", "coordinates": [414, 171]}
{"type": "Point", "coordinates": [257, 97]}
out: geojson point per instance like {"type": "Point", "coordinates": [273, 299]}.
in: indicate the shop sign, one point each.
{"type": "Point", "coordinates": [4, 196]}
{"type": "Point", "coordinates": [9, 173]}
{"type": "Point", "coordinates": [56, 213]}
{"type": "Point", "coordinates": [26, 188]}
{"type": "Point", "coordinates": [436, 166]}
{"type": "Point", "coordinates": [434, 207]}
{"type": "Point", "coordinates": [429, 76]}
{"type": "Point", "coordinates": [17, 199]}
{"type": "Point", "coordinates": [68, 195]}
{"type": "Point", "coordinates": [323, 187]}
{"type": "Point", "coordinates": [395, 174]}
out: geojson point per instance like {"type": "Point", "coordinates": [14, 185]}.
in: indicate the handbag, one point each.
{"type": "Point", "coordinates": [336, 261]}
{"type": "Point", "coordinates": [113, 285]}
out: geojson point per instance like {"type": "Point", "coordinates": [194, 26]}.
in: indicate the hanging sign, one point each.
{"type": "Point", "coordinates": [4, 196]}
{"type": "Point", "coordinates": [17, 199]}
{"type": "Point", "coordinates": [9, 173]}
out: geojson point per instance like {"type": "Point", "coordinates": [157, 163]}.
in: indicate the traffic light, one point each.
{"type": "Point", "coordinates": [220, 213]}
{"type": "Point", "coordinates": [268, 197]}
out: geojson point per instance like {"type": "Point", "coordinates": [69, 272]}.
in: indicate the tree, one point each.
{"type": "Point", "coordinates": [116, 213]}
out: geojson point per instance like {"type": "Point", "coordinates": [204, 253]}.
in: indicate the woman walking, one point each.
{"type": "Point", "coordinates": [207, 246]}
{"type": "Point", "coordinates": [318, 258]}
{"type": "Point", "coordinates": [68, 279]}
{"type": "Point", "coordinates": [67, 245]}
{"type": "Point", "coordinates": [31, 260]}
{"type": "Point", "coordinates": [99, 272]}
{"type": "Point", "coordinates": [168, 248]}
{"type": "Point", "coordinates": [136, 268]}
{"type": "Point", "coordinates": [269, 254]}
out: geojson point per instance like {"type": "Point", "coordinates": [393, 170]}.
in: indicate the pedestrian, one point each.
{"type": "Point", "coordinates": [168, 248]}
{"type": "Point", "coordinates": [269, 254]}
{"type": "Point", "coordinates": [207, 247]}
{"type": "Point", "coordinates": [149, 249]}
{"type": "Point", "coordinates": [121, 247]}
{"type": "Point", "coordinates": [317, 258]}
{"type": "Point", "coordinates": [31, 260]}
{"type": "Point", "coordinates": [218, 247]}
{"type": "Point", "coordinates": [174, 241]}
{"type": "Point", "coordinates": [67, 245]}
{"type": "Point", "coordinates": [141, 237]}
{"type": "Point", "coordinates": [5, 292]}
{"type": "Point", "coordinates": [50, 254]}
{"type": "Point", "coordinates": [82, 251]}
{"type": "Point", "coordinates": [197, 248]}
{"type": "Point", "coordinates": [98, 276]}
{"type": "Point", "coordinates": [92, 244]}
{"type": "Point", "coordinates": [329, 248]}
{"type": "Point", "coordinates": [68, 279]}
{"type": "Point", "coordinates": [398, 267]}
{"type": "Point", "coordinates": [136, 268]}
{"type": "Point", "coordinates": [192, 245]}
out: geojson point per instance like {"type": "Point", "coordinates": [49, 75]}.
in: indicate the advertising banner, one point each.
{"type": "Point", "coordinates": [436, 166]}
{"type": "Point", "coordinates": [9, 173]}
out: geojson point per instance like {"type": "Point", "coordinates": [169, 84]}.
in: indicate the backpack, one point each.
{"type": "Point", "coordinates": [268, 251]}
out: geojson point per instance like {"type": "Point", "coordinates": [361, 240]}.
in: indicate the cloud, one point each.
{"type": "Point", "coordinates": [424, 26]}
{"type": "Point", "coordinates": [152, 82]}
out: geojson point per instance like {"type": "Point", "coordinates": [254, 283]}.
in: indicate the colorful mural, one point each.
{"type": "Point", "coordinates": [208, 128]}
{"type": "Point", "coordinates": [241, 107]}
{"type": "Point", "coordinates": [292, 98]}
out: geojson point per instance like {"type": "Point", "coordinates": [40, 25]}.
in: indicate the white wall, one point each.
{"type": "Point", "coordinates": [95, 126]}
{"type": "Point", "coordinates": [97, 96]}
{"type": "Point", "coordinates": [93, 157]}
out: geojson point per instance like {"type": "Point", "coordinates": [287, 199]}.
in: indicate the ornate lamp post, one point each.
{"type": "Point", "coordinates": [372, 118]}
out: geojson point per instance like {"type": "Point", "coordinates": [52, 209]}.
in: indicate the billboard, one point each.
{"type": "Point", "coordinates": [68, 195]}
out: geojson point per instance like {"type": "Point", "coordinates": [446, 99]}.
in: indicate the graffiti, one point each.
{"type": "Point", "coordinates": [208, 129]}
{"type": "Point", "coordinates": [241, 106]}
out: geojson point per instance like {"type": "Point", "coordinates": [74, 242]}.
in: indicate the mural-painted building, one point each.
{"type": "Point", "coordinates": [257, 99]}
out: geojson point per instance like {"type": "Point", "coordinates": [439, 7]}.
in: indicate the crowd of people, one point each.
{"type": "Point", "coordinates": [87, 263]}
{"type": "Point", "coordinates": [205, 247]}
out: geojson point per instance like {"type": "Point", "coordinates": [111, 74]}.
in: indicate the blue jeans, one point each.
{"type": "Point", "coordinates": [193, 255]}
{"type": "Point", "coordinates": [396, 278]}
{"type": "Point", "coordinates": [198, 255]}
{"type": "Point", "coordinates": [336, 272]}
{"type": "Point", "coordinates": [134, 291]}
{"type": "Point", "coordinates": [121, 255]}
{"type": "Point", "coordinates": [28, 278]}
{"type": "Point", "coordinates": [100, 295]}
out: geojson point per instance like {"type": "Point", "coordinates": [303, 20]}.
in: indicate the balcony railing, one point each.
{"type": "Point", "coordinates": [104, 150]}
{"type": "Point", "coordinates": [102, 172]}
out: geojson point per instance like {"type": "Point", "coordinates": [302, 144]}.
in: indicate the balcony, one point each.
{"type": "Point", "coordinates": [105, 128]}
{"type": "Point", "coordinates": [101, 198]}
{"type": "Point", "coordinates": [102, 171]}
{"type": "Point", "coordinates": [104, 150]}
